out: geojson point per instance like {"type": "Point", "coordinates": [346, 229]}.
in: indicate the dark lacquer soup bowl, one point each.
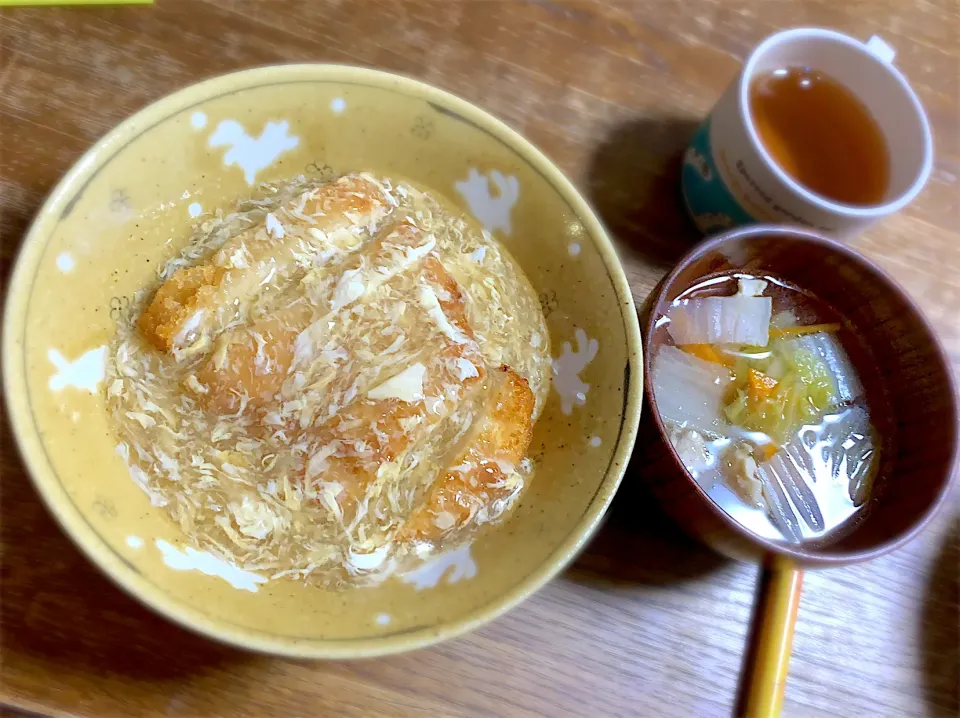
{"type": "Point", "coordinates": [918, 444]}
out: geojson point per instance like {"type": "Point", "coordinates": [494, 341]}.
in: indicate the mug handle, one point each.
{"type": "Point", "coordinates": [771, 640]}
{"type": "Point", "coordinates": [879, 48]}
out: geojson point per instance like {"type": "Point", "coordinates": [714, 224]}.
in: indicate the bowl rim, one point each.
{"type": "Point", "coordinates": [769, 546]}
{"type": "Point", "coordinates": [27, 433]}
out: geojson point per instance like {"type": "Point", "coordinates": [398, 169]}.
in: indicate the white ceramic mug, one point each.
{"type": "Point", "coordinates": [730, 179]}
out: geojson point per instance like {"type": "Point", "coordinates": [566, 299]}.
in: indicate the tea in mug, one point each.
{"type": "Point", "coordinates": [821, 134]}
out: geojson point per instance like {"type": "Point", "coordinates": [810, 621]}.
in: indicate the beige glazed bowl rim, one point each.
{"type": "Point", "coordinates": [27, 432]}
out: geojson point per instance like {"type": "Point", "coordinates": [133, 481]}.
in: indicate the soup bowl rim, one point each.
{"type": "Point", "coordinates": [809, 556]}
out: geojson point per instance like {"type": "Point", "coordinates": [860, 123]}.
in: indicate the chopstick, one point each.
{"type": "Point", "coordinates": [767, 661]}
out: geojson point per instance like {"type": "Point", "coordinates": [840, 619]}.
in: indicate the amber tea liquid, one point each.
{"type": "Point", "coordinates": [821, 134]}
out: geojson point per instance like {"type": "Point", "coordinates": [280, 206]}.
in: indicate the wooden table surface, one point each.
{"type": "Point", "coordinates": [646, 623]}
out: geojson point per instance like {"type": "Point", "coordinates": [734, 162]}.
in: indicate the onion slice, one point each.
{"type": "Point", "coordinates": [786, 486]}
{"type": "Point", "coordinates": [800, 481]}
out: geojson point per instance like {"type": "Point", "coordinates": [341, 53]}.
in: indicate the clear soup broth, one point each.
{"type": "Point", "coordinates": [773, 405]}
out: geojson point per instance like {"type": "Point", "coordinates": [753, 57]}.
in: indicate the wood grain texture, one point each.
{"type": "Point", "coordinates": [646, 622]}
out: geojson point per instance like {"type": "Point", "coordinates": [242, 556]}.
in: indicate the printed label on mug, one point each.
{"type": "Point", "coordinates": [742, 189]}
{"type": "Point", "coordinates": [711, 204]}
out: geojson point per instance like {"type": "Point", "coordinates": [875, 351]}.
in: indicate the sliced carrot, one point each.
{"type": "Point", "coordinates": [759, 386]}
{"type": "Point", "coordinates": [768, 451]}
{"type": "Point", "coordinates": [801, 331]}
{"type": "Point", "coordinates": [708, 353]}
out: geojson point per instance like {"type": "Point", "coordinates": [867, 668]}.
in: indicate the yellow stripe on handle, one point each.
{"type": "Point", "coordinates": [768, 656]}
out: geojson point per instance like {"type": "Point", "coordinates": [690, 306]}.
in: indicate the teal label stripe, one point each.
{"type": "Point", "coordinates": [710, 202]}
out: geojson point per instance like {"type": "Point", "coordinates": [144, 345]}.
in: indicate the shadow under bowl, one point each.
{"type": "Point", "coordinates": [913, 373]}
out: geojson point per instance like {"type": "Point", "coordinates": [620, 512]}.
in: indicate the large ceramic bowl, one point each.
{"type": "Point", "coordinates": [128, 205]}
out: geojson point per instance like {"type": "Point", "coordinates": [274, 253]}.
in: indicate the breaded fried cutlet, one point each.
{"type": "Point", "coordinates": [198, 302]}
{"type": "Point", "coordinates": [480, 473]}
{"type": "Point", "coordinates": [401, 412]}
{"type": "Point", "coordinates": [339, 349]}
{"type": "Point", "coordinates": [248, 366]}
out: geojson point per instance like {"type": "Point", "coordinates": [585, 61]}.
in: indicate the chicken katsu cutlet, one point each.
{"type": "Point", "coordinates": [202, 300]}
{"type": "Point", "coordinates": [323, 392]}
